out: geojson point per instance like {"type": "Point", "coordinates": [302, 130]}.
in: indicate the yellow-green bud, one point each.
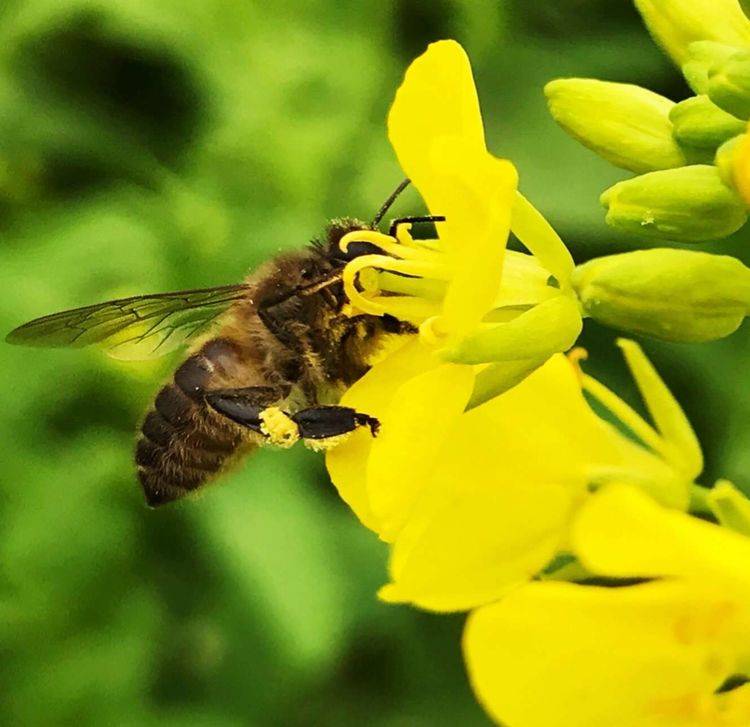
{"type": "Point", "coordinates": [729, 84]}
{"type": "Point", "coordinates": [703, 55]}
{"type": "Point", "coordinates": [677, 23]}
{"type": "Point", "coordinates": [690, 204]}
{"type": "Point", "coordinates": [730, 506]}
{"type": "Point", "coordinates": [725, 159]}
{"type": "Point", "coordinates": [627, 125]}
{"type": "Point", "coordinates": [698, 122]}
{"type": "Point", "coordinates": [674, 295]}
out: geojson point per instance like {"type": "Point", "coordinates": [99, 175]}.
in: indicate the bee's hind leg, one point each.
{"type": "Point", "coordinates": [323, 422]}
{"type": "Point", "coordinates": [244, 406]}
{"type": "Point", "coordinates": [255, 408]}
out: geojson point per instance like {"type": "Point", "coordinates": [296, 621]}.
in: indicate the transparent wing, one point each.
{"type": "Point", "coordinates": [137, 328]}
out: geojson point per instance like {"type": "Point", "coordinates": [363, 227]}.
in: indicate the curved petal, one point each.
{"type": "Point", "coordinates": [561, 655]}
{"type": "Point", "coordinates": [475, 232]}
{"type": "Point", "coordinates": [436, 130]}
{"type": "Point", "coordinates": [623, 533]}
{"type": "Point", "coordinates": [543, 428]}
{"type": "Point", "coordinates": [470, 545]}
{"type": "Point", "coordinates": [347, 462]}
{"type": "Point", "coordinates": [436, 99]}
{"type": "Point", "coordinates": [414, 427]}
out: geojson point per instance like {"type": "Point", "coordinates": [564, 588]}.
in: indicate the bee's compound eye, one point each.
{"type": "Point", "coordinates": [357, 249]}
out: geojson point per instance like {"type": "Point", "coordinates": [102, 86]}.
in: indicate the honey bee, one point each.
{"type": "Point", "coordinates": [280, 352]}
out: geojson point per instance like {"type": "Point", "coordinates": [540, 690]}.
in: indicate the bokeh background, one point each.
{"type": "Point", "coordinates": [150, 146]}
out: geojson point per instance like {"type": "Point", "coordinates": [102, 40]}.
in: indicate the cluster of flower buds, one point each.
{"type": "Point", "coordinates": [692, 158]}
{"type": "Point", "coordinates": [692, 161]}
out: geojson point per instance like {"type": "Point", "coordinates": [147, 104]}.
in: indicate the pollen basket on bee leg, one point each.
{"type": "Point", "coordinates": [278, 427]}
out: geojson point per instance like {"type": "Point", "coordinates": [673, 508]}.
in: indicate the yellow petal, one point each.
{"type": "Point", "coordinates": [664, 409]}
{"type": "Point", "coordinates": [733, 706]}
{"type": "Point", "coordinates": [436, 99]}
{"type": "Point", "coordinates": [471, 538]}
{"type": "Point", "coordinates": [478, 216]}
{"type": "Point", "coordinates": [436, 130]}
{"type": "Point", "coordinates": [623, 533]}
{"type": "Point", "coordinates": [561, 655]}
{"type": "Point", "coordinates": [414, 427]}
{"type": "Point", "coordinates": [540, 431]}
{"type": "Point", "coordinates": [347, 463]}
{"type": "Point", "coordinates": [540, 238]}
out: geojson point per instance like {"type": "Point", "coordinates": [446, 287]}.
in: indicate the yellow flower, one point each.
{"type": "Point", "coordinates": [474, 302]}
{"type": "Point", "coordinates": [436, 130]}
{"type": "Point", "coordinates": [480, 501]}
{"type": "Point", "coordinates": [652, 654]}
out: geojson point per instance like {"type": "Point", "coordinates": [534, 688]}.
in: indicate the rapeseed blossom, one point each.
{"type": "Point", "coordinates": [456, 280]}
{"type": "Point", "coordinates": [656, 653]}
{"type": "Point", "coordinates": [486, 316]}
{"type": "Point", "coordinates": [473, 301]}
{"type": "Point", "coordinates": [501, 469]}
{"type": "Point", "coordinates": [494, 505]}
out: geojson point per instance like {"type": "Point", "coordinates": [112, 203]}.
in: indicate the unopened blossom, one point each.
{"type": "Point", "coordinates": [689, 188]}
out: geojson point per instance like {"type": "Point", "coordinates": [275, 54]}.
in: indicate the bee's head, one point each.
{"type": "Point", "coordinates": [336, 230]}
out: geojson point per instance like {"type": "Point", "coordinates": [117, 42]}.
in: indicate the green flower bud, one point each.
{"type": "Point", "coordinates": [674, 295]}
{"type": "Point", "coordinates": [730, 506]}
{"type": "Point", "coordinates": [745, 5]}
{"type": "Point", "coordinates": [703, 55]}
{"type": "Point", "coordinates": [690, 204]}
{"type": "Point", "coordinates": [675, 24]}
{"type": "Point", "coordinates": [725, 159]}
{"type": "Point", "coordinates": [729, 84]}
{"type": "Point", "coordinates": [627, 125]}
{"type": "Point", "coordinates": [698, 122]}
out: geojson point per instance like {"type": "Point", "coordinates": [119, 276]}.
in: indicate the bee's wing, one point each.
{"type": "Point", "coordinates": [137, 328]}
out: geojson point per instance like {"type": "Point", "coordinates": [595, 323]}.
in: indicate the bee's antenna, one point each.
{"type": "Point", "coordinates": [391, 199]}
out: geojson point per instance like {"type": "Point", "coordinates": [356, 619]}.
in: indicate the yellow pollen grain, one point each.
{"type": "Point", "coordinates": [278, 427]}
{"type": "Point", "coordinates": [323, 445]}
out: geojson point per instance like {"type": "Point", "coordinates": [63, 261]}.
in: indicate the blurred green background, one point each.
{"type": "Point", "coordinates": [149, 146]}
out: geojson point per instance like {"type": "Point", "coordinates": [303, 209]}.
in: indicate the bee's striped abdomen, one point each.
{"type": "Point", "coordinates": [183, 442]}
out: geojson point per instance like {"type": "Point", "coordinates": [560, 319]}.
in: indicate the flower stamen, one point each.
{"type": "Point", "coordinates": [380, 305]}
{"type": "Point", "coordinates": [389, 245]}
